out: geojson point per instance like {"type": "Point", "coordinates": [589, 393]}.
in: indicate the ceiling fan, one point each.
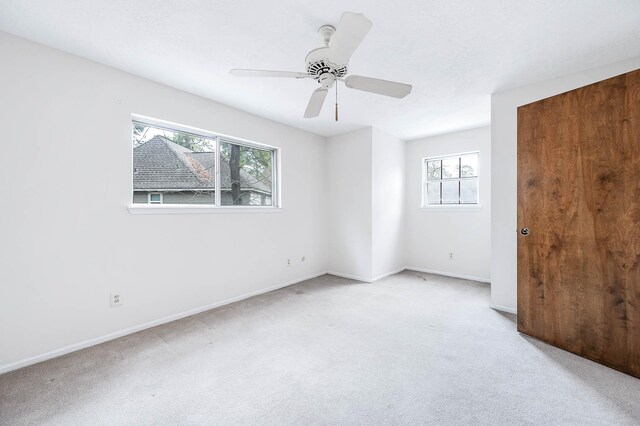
{"type": "Point", "coordinates": [329, 64]}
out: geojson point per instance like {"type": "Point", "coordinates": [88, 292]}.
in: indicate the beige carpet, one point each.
{"type": "Point", "coordinates": [410, 349]}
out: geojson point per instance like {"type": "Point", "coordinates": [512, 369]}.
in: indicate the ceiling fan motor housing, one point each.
{"type": "Point", "coordinates": [317, 62]}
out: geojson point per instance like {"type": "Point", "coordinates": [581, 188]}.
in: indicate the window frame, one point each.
{"type": "Point", "coordinates": [155, 193]}
{"type": "Point", "coordinates": [448, 207]}
{"type": "Point", "coordinates": [218, 207]}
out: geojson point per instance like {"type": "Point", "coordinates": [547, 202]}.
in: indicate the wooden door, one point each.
{"type": "Point", "coordinates": [579, 197]}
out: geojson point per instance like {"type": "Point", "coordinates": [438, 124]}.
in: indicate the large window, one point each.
{"type": "Point", "coordinates": [450, 180]}
{"type": "Point", "coordinates": [174, 165]}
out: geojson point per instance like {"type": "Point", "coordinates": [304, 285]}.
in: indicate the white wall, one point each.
{"type": "Point", "coordinates": [504, 141]}
{"type": "Point", "coordinates": [67, 237]}
{"type": "Point", "coordinates": [349, 207]}
{"type": "Point", "coordinates": [388, 192]}
{"type": "Point", "coordinates": [431, 233]}
{"type": "Point", "coordinates": [365, 178]}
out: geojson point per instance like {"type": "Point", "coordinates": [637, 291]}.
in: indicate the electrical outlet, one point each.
{"type": "Point", "coordinates": [115, 299]}
{"type": "Point", "coordinates": [302, 259]}
{"type": "Point", "coordinates": [288, 262]}
{"type": "Point", "coordinates": [450, 255]}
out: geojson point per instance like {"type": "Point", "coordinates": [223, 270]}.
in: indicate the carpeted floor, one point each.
{"type": "Point", "coordinates": [413, 348]}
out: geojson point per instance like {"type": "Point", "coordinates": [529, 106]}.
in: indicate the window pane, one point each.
{"type": "Point", "coordinates": [469, 165]}
{"type": "Point", "coordinates": [469, 191]}
{"type": "Point", "coordinates": [245, 175]}
{"type": "Point", "coordinates": [434, 170]}
{"type": "Point", "coordinates": [451, 168]}
{"type": "Point", "coordinates": [432, 195]}
{"type": "Point", "coordinates": [180, 166]}
{"type": "Point", "coordinates": [450, 192]}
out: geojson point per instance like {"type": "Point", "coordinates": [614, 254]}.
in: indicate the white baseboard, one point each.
{"type": "Point", "coordinates": [379, 277]}
{"type": "Point", "coordinates": [364, 279]}
{"type": "Point", "coordinates": [504, 309]}
{"type": "Point", "coordinates": [449, 274]}
{"type": "Point", "coordinates": [130, 330]}
{"type": "Point", "coordinates": [351, 277]}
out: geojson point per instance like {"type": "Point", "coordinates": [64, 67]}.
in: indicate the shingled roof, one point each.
{"type": "Point", "coordinates": [160, 163]}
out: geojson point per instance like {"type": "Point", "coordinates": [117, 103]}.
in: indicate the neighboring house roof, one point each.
{"type": "Point", "coordinates": [160, 163]}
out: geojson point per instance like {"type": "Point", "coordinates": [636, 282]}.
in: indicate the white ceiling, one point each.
{"type": "Point", "coordinates": [454, 52]}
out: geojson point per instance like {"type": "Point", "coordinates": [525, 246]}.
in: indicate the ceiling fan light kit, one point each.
{"type": "Point", "coordinates": [329, 64]}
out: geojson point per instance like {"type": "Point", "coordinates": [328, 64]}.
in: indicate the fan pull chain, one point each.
{"type": "Point", "coordinates": [336, 101]}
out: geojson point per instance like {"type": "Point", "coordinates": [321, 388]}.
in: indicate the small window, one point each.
{"type": "Point", "coordinates": [155, 198]}
{"type": "Point", "coordinates": [174, 165]}
{"type": "Point", "coordinates": [450, 180]}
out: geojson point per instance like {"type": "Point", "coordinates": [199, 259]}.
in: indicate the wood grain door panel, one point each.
{"type": "Point", "coordinates": [579, 196]}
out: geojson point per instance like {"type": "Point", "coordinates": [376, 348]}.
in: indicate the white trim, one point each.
{"type": "Point", "coordinates": [379, 277]}
{"type": "Point", "coordinates": [457, 154]}
{"type": "Point", "coordinates": [424, 205]}
{"type": "Point", "coordinates": [170, 125]}
{"type": "Point", "coordinates": [276, 198]}
{"type": "Point", "coordinates": [116, 334]}
{"type": "Point", "coordinates": [504, 309]}
{"type": "Point", "coordinates": [450, 274]}
{"type": "Point", "coordinates": [217, 180]}
{"type": "Point", "coordinates": [350, 277]}
{"type": "Point", "coordinates": [197, 209]}
{"type": "Point", "coordinates": [451, 208]}
{"type": "Point", "coordinates": [363, 279]}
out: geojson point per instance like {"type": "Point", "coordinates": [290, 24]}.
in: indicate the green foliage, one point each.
{"type": "Point", "coordinates": [247, 166]}
{"type": "Point", "coordinates": [467, 171]}
{"type": "Point", "coordinates": [436, 170]}
{"type": "Point", "coordinates": [256, 162]}
{"type": "Point", "coordinates": [193, 142]}
{"type": "Point", "coordinates": [139, 132]}
{"type": "Point", "coordinates": [142, 133]}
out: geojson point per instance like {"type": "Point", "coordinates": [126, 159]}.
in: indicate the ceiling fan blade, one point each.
{"type": "Point", "coordinates": [375, 85]}
{"type": "Point", "coordinates": [315, 103]}
{"type": "Point", "coordinates": [267, 73]}
{"type": "Point", "coordinates": [352, 29]}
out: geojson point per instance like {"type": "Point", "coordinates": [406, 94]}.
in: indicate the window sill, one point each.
{"type": "Point", "coordinates": [452, 208]}
{"type": "Point", "coordinates": [195, 209]}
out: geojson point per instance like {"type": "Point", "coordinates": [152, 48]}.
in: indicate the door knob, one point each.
{"type": "Point", "coordinates": [524, 231]}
